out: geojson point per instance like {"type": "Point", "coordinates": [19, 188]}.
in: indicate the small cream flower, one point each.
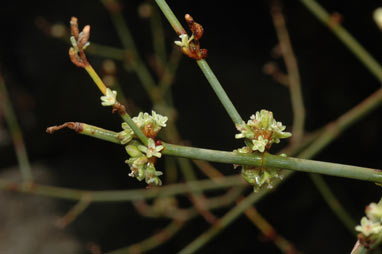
{"type": "Point", "coordinates": [374, 212]}
{"type": "Point", "coordinates": [369, 228]}
{"type": "Point", "coordinates": [184, 40]}
{"type": "Point", "coordinates": [151, 149]}
{"type": "Point", "coordinates": [110, 98]}
{"type": "Point", "coordinates": [377, 15]}
{"type": "Point", "coordinates": [259, 144]}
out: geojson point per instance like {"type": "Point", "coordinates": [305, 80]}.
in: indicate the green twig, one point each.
{"type": "Point", "coordinates": [133, 58]}
{"type": "Point", "coordinates": [174, 22]}
{"type": "Point", "coordinates": [350, 42]}
{"type": "Point", "coordinates": [333, 203]}
{"type": "Point", "coordinates": [293, 72]}
{"type": "Point", "coordinates": [15, 131]}
{"type": "Point", "coordinates": [227, 219]}
{"type": "Point", "coordinates": [154, 240]}
{"type": "Point", "coordinates": [122, 195]}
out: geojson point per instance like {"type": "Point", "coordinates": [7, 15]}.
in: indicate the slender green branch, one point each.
{"type": "Point", "coordinates": [350, 42]}
{"type": "Point", "coordinates": [333, 203]}
{"type": "Point", "coordinates": [335, 128]}
{"type": "Point", "coordinates": [159, 43]}
{"type": "Point", "coordinates": [154, 240]}
{"type": "Point", "coordinates": [15, 131]}
{"type": "Point", "coordinates": [122, 195]}
{"type": "Point", "coordinates": [269, 160]}
{"type": "Point", "coordinates": [222, 95]}
{"type": "Point", "coordinates": [227, 219]}
{"type": "Point", "coordinates": [293, 72]}
{"type": "Point", "coordinates": [174, 22]}
{"type": "Point", "coordinates": [133, 58]}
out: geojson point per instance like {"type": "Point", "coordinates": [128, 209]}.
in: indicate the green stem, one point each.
{"type": "Point", "coordinates": [16, 133]}
{"type": "Point", "coordinates": [227, 219]}
{"type": "Point", "coordinates": [350, 42]}
{"type": "Point", "coordinates": [333, 202]}
{"type": "Point", "coordinates": [100, 133]}
{"type": "Point", "coordinates": [128, 43]}
{"type": "Point", "coordinates": [269, 160]}
{"type": "Point", "coordinates": [293, 72]}
{"type": "Point", "coordinates": [126, 117]}
{"type": "Point", "coordinates": [218, 89]}
{"type": "Point", "coordinates": [122, 195]}
{"type": "Point", "coordinates": [335, 128]}
{"type": "Point", "coordinates": [153, 241]}
{"type": "Point", "coordinates": [159, 43]}
{"type": "Point", "coordinates": [174, 22]}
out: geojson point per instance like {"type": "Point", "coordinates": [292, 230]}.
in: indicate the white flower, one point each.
{"type": "Point", "coordinates": [377, 15]}
{"type": "Point", "coordinates": [245, 131]}
{"type": "Point", "coordinates": [374, 212]}
{"type": "Point", "coordinates": [184, 40]}
{"type": "Point", "coordinates": [259, 144]}
{"type": "Point", "coordinates": [110, 98]}
{"type": "Point", "coordinates": [126, 135]}
{"type": "Point", "coordinates": [368, 227]}
{"type": "Point", "coordinates": [159, 119]}
{"type": "Point", "coordinates": [151, 150]}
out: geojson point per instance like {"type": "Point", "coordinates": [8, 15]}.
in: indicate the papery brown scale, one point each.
{"type": "Point", "coordinates": [74, 27]}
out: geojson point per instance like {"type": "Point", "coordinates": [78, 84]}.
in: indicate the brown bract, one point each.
{"type": "Point", "coordinates": [76, 53]}
{"type": "Point", "coordinates": [76, 126]}
{"type": "Point", "coordinates": [193, 50]}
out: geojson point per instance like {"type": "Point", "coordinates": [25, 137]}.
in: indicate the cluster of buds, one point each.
{"type": "Point", "coordinates": [371, 224]}
{"type": "Point", "coordinates": [262, 130]}
{"type": "Point", "coordinates": [258, 177]}
{"type": "Point", "coordinates": [190, 45]}
{"type": "Point", "coordinates": [142, 158]}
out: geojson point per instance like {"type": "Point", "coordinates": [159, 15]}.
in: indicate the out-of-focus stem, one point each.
{"type": "Point", "coordinates": [350, 42]}
{"type": "Point", "coordinates": [293, 72]}
{"type": "Point", "coordinates": [333, 203]}
{"type": "Point", "coordinates": [75, 211]}
{"type": "Point", "coordinates": [16, 133]}
{"type": "Point", "coordinates": [122, 195]}
{"type": "Point", "coordinates": [133, 58]}
{"type": "Point", "coordinates": [153, 241]}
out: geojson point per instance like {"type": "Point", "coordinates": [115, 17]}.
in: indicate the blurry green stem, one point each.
{"type": "Point", "coordinates": [133, 58]}
{"type": "Point", "coordinates": [122, 195]}
{"type": "Point", "coordinates": [15, 131]}
{"type": "Point", "coordinates": [223, 222]}
{"type": "Point", "coordinates": [353, 45]}
{"type": "Point", "coordinates": [333, 202]}
{"type": "Point", "coordinates": [293, 72]}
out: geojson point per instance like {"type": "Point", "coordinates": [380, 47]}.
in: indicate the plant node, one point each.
{"type": "Point", "coordinates": [191, 46]}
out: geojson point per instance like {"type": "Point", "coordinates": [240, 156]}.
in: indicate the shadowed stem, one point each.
{"type": "Point", "coordinates": [15, 131]}
{"type": "Point", "coordinates": [293, 72]}
{"type": "Point", "coordinates": [154, 240]}
{"type": "Point", "coordinates": [350, 42]}
{"type": "Point", "coordinates": [299, 112]}
{"type": "Point", "coordinates": [122, 195]}
{"type": "Point", "coordinates": [333, 203]}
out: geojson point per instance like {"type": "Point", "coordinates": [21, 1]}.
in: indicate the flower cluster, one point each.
{"type": "Point", "coordinates": [142, 158]}
{"type": "Point", "coordinates": [110, 98]}
{"type": "Point", "coordinates": [259, 177]}
{"type": "Point", "coordinates": [142, 167]}
{"type": "Point", "coordinates": [371, 224]}
{"type": "Point", "coordinates": [263, 130]}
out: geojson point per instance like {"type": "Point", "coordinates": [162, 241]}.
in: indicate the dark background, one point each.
{"type": "Point", "coordinates": [47, 89]}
